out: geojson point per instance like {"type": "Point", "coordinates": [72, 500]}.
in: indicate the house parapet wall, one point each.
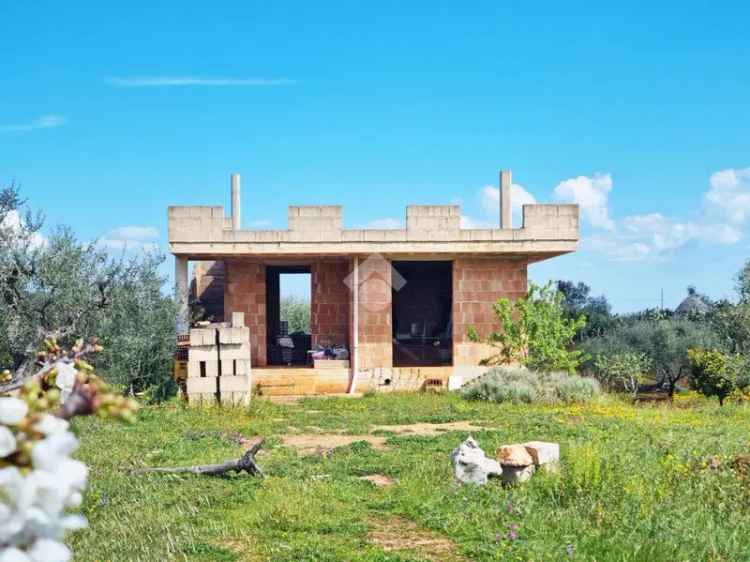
{"type": "Point", "coordinates": [207, 226]}
{"type": "Point", "coordinates": [315, 218]}
{"type": "Point", "coordinates": [433, 217]}
{"type": "Point", "coordinates": [204, 223]}
{"type": "Point", "coordinates": [547, 220]}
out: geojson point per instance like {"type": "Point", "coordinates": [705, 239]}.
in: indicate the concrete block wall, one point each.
{"type": "Point", "coordinates": [245, 291]}
{"type": "Point", "coordinates": [205, 223]}
{"type": "Point", "coordinates": [329, 314]}
{"type": "Point", "coordinates": [437, 218]}
{"type": "Point", "coordinates": [219, 363]}
{"type": "Point", "coordinates": [551, 221]}
{"type": "Point", "coordinates": [477, 284]}
{"type": "Point", "coordinates": [312, 219]}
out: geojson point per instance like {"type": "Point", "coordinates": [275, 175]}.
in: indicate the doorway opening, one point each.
{"type": "Point", "coordinates": [288, 290]}
{"type": "Point", "coordinates": [422, 313]}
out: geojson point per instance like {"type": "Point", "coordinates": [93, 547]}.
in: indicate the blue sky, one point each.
{"type": "Point", "coordinates": [109, 113]}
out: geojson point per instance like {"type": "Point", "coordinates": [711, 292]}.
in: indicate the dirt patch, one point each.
{"type": "Point", "coordinates": [316, 441]}
{"type": "Point", "coordinates": [394, 534]}
{"type": "Point", "coordinates": [248, 443]}
{"type": "Point", "coordinates": [321, 443]}
{"type": "Point", "coordinates": [379, 480]}
{"type": "Point", "coordinates": [245, 549]}
{"type": "Point", "coordinates": [429, 429]}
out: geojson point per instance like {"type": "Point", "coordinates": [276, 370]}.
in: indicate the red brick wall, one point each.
{"type": "Point", "coordinates": [329, 316]}
{"type": "Point", "coordinates": [375, 331]}
{"type": "Point", "coordinates": [207, 286]}
{"type": "Point", "coordinates": [245, 291]}
{"type": "Point", "coordinates": [477, 284]}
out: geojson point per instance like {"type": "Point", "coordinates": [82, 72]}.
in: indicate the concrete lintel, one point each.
{"type": "Point", "coordinates": [216, 251]}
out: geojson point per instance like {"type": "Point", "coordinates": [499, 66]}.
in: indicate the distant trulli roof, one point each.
{"type": "Point", "coordinates": [691, 305]}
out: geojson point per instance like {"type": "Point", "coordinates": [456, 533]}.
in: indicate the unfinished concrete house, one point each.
{"type": "Point", "coordinates": [395, 304]}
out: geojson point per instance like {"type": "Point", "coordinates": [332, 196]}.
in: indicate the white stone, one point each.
{"type": "Point", "coordinates": [471, 465]}
{"type": "Point", "coordinates": [543, 453]}
{"type": "Point", "coordinates": [234, 383]}
{"type": "Point", "coordinates": [455, 382]}
{"type": "Point", "coordinates": [238, 319]}
{"type": "Point", "coordinates": [201, 385]}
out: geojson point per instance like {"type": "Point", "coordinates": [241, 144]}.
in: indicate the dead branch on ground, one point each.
{"type": "Point", "coordinates": [246, 463]}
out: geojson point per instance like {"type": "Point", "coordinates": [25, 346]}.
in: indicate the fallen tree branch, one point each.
{"type": "Point", "coordinates": [246, 463]}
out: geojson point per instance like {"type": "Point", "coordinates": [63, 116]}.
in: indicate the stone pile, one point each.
{"type": "Point", "coordinates": [515, 463]}
{"type": "Point", "coordinates": [218, 367]}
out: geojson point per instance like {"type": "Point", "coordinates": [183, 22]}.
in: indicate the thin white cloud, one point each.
{"type": "Point", "coordinates": [43, 122]}
{"type": "Point", "coordinates": [132, 237]}
{"type": "Point", "coordinates": [162, 81]}
{"type": "Point", "coordinates": [519, 197]}
{"type": "Point", "coordinates": [722, 220]}
{"type": "Point", "coordinates": [489, 199]}
{"type": "Point", "coordinates": [729, 194]}
{"type": "Point", "coordinates": [13, 221]}
{"type": "Point", "coordinates": [592, 195]}
{"type": "Point", "coordinates": [617, 249]}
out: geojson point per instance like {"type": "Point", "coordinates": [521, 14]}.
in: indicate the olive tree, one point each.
{"type": "Point", "coordinates": [296, 312]}
{"type": "Point", "coordinates": [623, 370]}
{"type": "Point", "coordinates": [663, 340]}
{"type": "Point", "coordinates": [57, 285]}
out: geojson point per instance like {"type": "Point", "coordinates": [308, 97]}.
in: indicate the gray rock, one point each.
{"type": "Point", "coordinates": [471, 465]}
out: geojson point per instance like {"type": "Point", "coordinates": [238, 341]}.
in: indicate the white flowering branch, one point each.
{"type": "Point", "coordinates": [39, 481]}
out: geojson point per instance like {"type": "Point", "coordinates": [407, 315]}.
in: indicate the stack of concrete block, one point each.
{"type": "Point", "coordinates": [219, 363]}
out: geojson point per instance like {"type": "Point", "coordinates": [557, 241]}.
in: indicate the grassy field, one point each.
{"type": "Point", "coordinates": [636, 484]}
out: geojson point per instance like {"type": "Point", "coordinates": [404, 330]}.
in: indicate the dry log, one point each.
{"type": "Point", "coordinates": [246, 463]}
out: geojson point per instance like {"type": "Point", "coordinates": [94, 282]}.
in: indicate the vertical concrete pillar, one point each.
{"type": "Point", "coordinates": [181, 293]}
{"type": "Point", "coordinates": [506, 220]}
{"type": "Point", "coordinates": [235, 201]}
{"type": "Point", "coordinates": [355, 326]}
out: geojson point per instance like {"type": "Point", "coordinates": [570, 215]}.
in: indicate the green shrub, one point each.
{"type": "Point", "coordinates": [520, 385]}
{"type": "Point", "coordinates": [714, 373]}
{"type": "Point", "coordinates": [536, 332]}
{"type": "Point", "coordinates": [576, 389]}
